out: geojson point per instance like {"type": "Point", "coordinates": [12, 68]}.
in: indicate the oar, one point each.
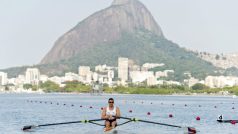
{"type": "Point", "coordinates": [35, 126]}
{"type": "Point", "coordinates": [190, 130]}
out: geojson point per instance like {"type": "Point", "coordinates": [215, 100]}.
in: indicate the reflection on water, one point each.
{"type": "Point", "coordinates": [18, 110]}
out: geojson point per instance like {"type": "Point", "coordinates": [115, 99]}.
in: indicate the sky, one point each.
{"type": "Point", "coordinates": [29, 28]}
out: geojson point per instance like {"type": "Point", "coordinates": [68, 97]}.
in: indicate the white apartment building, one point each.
{"type": "Point", "coordinates": [84, 71]}
{"type": "Point", "coordinates": [221, 81]}
{"type": "Point", "coordinates": [140, 76]}
{"type": "Point", "coordinates": [32, 76]}
{"type": "Point", "coordinates": [71, 77]}
{"type": "Point", "coordinates": [160, 74]}
{"type": "Point", "coordinates": [164, 73]}
{"type": "Point", "coordinates": [110, 75]}
{"type": "Point", "coordinates": [3, 78]}
{"type": "Point", "coordinates": [95, 77]}
{"type": "Point", "coordinates": [100, 68]}
{"type": "Point", "coordinates": [152, 65]}
{"type": "Point", "coordinates": [89, 77]}
{"type": "Point", "coordinates": [123, 68]}
{"type": "Point", "coordinates": [58, 80]}
{"type": "Point", "coordinates": [192, 81]}
{"type": "Point", "coordinates": [44, 78]}
{"type": "Point", "coordinates": [20, 80]}
{"type": "Point", "coordinates": [151, 81]}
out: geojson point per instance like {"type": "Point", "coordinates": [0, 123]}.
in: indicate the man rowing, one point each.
{"type": "Point", "coordinates": [110, 114]}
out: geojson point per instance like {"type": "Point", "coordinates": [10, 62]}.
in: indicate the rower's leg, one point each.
{"type": "Point", "coordinates": [107, 124]}
{"type": "Point", "coordinates": [114, 124]}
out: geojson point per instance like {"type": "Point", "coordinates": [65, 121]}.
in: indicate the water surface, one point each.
{"type": "Point", "coordinates": [18, 110]}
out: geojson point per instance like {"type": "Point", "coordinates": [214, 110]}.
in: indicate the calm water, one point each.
{"type": "Point", "coordinates": [18, 110]}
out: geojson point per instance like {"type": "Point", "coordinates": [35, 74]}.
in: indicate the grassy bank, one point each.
{"type": "Point", "coordinates": [142, 90]}
{"type": "Point", "coordinates": [78, 87]}
{"type": "Point", "coordinates": [169, 91]}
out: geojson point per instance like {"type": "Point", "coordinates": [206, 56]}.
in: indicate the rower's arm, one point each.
{"type": "Point", "coordinates": [118, 112]}
{"type": "Point", "coordinates": [104, 116]}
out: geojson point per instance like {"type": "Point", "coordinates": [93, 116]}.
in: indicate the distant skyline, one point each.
{"type": "Point", "coordinates": [29, 28]}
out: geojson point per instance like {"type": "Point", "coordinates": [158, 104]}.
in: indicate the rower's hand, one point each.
{"type": "Point", "coordinates": [110, 117]}
{"type": "Point", "coordinates": [107, 117]}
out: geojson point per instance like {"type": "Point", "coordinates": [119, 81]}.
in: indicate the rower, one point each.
{"type": "Point", "coordinates": [110, 113]}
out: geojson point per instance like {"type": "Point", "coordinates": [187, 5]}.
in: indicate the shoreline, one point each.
{"type": "Point", "coordinates": [175, 94]}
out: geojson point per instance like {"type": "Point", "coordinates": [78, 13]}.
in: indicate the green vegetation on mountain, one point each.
{"type": "Point", "coordinates": [144, 47]}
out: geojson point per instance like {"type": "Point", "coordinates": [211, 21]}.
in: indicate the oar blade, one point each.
{"type": "Point", "coordinates": [191, 130]}
{"type": "Point", "coordinates": [25, 128]}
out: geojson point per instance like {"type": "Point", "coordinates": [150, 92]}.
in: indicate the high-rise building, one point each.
{"type": "Point", "coordinates": [123, 68]}
{"type": "Point", "coordinates": [3, 78]}
{"type": "Point", "coordinates": [32, 76]}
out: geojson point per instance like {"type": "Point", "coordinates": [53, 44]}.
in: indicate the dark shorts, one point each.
{"type": "Point", "coordinates": [112, 121]}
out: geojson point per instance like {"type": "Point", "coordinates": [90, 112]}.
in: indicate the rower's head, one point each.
{"type": "Point", "coordinates": [111, 101]}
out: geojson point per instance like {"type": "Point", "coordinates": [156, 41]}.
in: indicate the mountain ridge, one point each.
{"type": "Point", "coordinates": [106, 25]}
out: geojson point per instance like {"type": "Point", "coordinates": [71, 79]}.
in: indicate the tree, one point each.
{"type": "Point", "coordinates": [217, 57]}
{"type": "Point", "coordinates": [75, 86]}
{"type": "Point", "coordinates": [199, 86]}
{"type": "Point", "coordinates": [50, 86]}
{"type": "Point", "coordinates": [7, 88]}
{"type": "Point", "coordinates": [27, 86]}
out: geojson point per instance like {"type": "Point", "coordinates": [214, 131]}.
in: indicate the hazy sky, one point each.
{"type": "Point", "coordinates": [29, 28]}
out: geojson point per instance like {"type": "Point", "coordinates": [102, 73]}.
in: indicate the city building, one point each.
{"type": "Point", "coordinates": [3, 78]}
{"type": "Point", "coordinates": [192, 81]}
{"type": "Point", "coordinates": [151, 81]}
{"type": "Point", "coordinates": [32, 76]}
{"type": "Point", "coordinates": [110, 76]}
{"type": "Point", "coordinates": [44, 78]}
{"type": "Point", "coordinates": [71, 77]}
{"type": "Point", "coordinates": [123, 68]}
{"type": "Point", "coordinates": [148, 66]}
{"type": "Point", "coordinates": [84, 71]}
{"type": "Point", "coordinates": [140, 76]}
{"type": "Point", "coordinates": [221, 81]}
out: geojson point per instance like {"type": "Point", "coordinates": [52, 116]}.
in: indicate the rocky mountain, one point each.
{"type": "Point", "coordinates": [125, 29]}
{"type": "Point", "coordinates": [105, 26]}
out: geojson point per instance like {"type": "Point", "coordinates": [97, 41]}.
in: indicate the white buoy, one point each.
{"type": "Point", "coordinates": [234, 96]}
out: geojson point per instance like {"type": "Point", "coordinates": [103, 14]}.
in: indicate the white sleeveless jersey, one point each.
{"type": "Point", "coordinates": [111, 112]}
